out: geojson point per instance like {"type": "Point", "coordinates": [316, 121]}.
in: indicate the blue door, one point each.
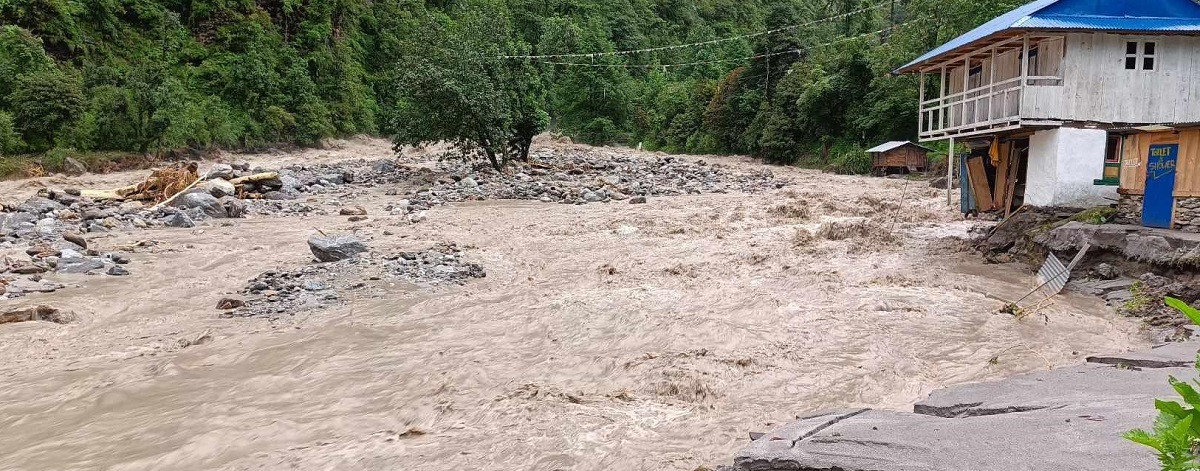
{"type": "Point", "coordinates": [1159, 201]}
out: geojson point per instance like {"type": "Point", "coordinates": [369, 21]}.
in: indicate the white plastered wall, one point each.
{"type": "Point", "coordinates": [1063, 163]}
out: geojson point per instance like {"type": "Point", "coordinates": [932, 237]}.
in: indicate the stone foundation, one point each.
{"type": "Point", "coordinates": [1129, 209]}
{"type": "Point", "coordinates": [1187, 214]}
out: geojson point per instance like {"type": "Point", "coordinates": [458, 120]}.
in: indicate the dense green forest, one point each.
{"type": "Point", "coordinates": [146, 76]}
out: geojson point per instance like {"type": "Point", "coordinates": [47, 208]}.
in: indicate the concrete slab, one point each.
{"type": "Point", "coordinates": [1159, 246]}
{"type": "Point", "coordinates": [1069, 418]}
{"type": "Point", "coordinates": [1074, 437]}
{"type": "Point", "coordinates": [1175, 354]}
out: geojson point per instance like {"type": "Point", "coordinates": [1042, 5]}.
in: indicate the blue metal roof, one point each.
{"type": "Point", "coordinates": [1128, 16]}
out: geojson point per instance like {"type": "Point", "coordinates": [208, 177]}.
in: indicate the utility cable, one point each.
{"type": "Point", "coordinates": [697, 44]}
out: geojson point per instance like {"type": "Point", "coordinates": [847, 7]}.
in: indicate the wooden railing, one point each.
{"type": "Point", "coordinates": [988, 107]}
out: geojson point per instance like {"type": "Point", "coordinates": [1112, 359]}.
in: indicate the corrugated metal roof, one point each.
{"type": "Point", "coordinates": [1142, 16]}
{"type": "Point", "coordinates": [894, 144]}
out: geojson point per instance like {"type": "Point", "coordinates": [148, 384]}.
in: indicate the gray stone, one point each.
{"type": "Point", "coordinates": [234, 207]}
{"type": "Point", "coordinates": [39, 205]}
{"type": "Point", "coordinates": [332, 249]}
{"type": "Point", "coordinates": [74, 167]}
{"type": "Point", "coordinates": [222, 171]}
{"type": "Point", "coordinates": [218, 188]}
{"type": "Point", "coordinates": [384, 166]}
{"type": "Point", "coordinates": [592, 196]}
{"type": "Point", "coordinates": [333, 178]}
{"type": "Point", "coordinates": [9, 222]}
{"type": "Point", "coordinates": [1105, 271]}
{"type": "Point", "coordinates": [278, 196]}
{"type": "Point", "coordinates": [179, 220]}
{"type": "Point", "coordinates": [468, 182]}
{"type": "Point", "coordinates": [204, 202]}
{"type": "Point", "coordinates": [78, 265]}
{"type": "Point", "coordinates": [117, 270]}
{"type": "Point", "coordinates": [637, 200]}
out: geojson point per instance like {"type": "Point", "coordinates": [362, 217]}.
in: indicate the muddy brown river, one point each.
{"type": "Point", "coordinates": [605, 336]}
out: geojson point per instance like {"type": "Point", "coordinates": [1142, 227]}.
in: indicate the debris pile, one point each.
{"type": "Point", "coordinates": [579, 177]}
{"type": "Point", "coordinates": [279, 293]}
{"type": "Point", "coordinates": [438, 265]}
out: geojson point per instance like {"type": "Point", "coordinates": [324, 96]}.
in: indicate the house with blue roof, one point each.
{"type": "Point", "coordinates": [1074, 103]}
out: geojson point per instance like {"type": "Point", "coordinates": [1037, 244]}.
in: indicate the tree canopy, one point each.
{"type": "Point", "coordinates": [155, 75]}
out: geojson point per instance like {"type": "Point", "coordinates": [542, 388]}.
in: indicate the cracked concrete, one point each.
{"type": "Point", "coordinates": [1069, 418]}
{"type": "Point", "coordinates": [1157, 246]}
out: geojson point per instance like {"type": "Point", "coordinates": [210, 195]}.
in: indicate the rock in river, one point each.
{"type": "Point", "coordinates": [332, 249]}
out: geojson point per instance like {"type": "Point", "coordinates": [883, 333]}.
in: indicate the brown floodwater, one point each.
{"type": "Point", "coordinates": [605, 336]}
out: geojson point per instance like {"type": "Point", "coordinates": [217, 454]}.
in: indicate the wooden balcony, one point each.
{"type": "Point", "coordinates": [991, 88]}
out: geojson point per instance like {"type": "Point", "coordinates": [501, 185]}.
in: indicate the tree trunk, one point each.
{"type": "Point", "coordinates": [491, 156]}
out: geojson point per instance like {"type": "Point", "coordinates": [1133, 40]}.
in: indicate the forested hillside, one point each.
{"type": "Point", "coordinates": [153, 75]}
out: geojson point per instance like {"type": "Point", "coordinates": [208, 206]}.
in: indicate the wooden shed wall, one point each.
{"type": "Point", "coordinates": [906, 156]}
{"type": "Point", "coordinates": [1137, 147]}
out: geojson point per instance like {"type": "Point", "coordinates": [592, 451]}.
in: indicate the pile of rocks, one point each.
{"type": "Point", "coordinates": [276, 293]}
{"type": "Point", "coordinates": [345, 265]}
{"type": "Point", "coordinates": [441, 264]}
{"type": "Point", "coordinates": [578, 177]}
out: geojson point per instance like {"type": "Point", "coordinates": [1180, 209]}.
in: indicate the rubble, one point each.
{"type": "Point", "coordinates": [277, 293]}
{"type": "Point", "coordinates": [441, 264]}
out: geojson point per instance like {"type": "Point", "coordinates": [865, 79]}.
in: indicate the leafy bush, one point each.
{"type": "Point", "coordinates": [1176, 432]}
{"type": "Point", "coordinates": [10, 141]}
{"type": "Point", "coordinates": [850, 160]}
{"type": "Point", "coordinates": [44, 103]}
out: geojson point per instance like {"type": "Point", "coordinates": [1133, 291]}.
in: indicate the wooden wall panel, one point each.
{"type": "Point", "coordinates": [1137, 147]}
{"type": "Point", "coordinates": [1187, 177]}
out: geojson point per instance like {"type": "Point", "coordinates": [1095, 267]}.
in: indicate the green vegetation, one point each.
{"type": "Point", "coordinates": [1176, 432]}
{"type": "Point", "coordinates": [1098, 215]}
{"type": "Point", "coordinates": [148, 76]}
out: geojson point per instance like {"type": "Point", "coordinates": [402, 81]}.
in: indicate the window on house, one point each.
{"type": "Point", "coordinates": [1034, 70]}
{"type": "Point", "coordinates": [1141, 55]}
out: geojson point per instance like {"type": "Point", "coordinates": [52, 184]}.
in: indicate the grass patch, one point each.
{"type": "Point", "coordinates": [1140, 301]}
{"type": "Point", "coordinates": [1097, 215]}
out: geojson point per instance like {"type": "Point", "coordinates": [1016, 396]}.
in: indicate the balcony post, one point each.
{"type": "Point", "coordinates": [943, 107]}
{"type": "Point", "coordinates": [966, 86]}
{"type": "Point", "coordinates": [991, 101]}
{"type": "Point", "coordinates": [921, 107]}
{"type": "Point", "coordinates": [1024, 60]}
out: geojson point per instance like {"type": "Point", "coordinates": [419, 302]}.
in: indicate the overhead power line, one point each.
{"type": "Point", "coordinates": [739, 59]}
{"type": "Point", "coordinates": [698, 44]}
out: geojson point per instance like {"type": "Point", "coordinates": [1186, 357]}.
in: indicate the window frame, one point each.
{"type": "Point", "coordinates": [1144, 57]}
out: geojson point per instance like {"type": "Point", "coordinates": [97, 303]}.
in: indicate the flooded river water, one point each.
{"type": "Point", "coordinates": [605, 336]}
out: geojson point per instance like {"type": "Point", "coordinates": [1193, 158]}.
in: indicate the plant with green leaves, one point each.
{"type": "Point", "coordinates": [464, 93]}
{"type": "Point", "coordinates": [1176, 432]}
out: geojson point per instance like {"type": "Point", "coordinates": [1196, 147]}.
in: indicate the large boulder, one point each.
{"type": "Point", "coordinates": [10, 222]}
{"type": "Point", "coordinates": [334, 248]}
{"type": "Point", "coordinates": [179, 220]}
{"type": "Point", "coordinates": [218, 187]}
{"type": "Point", "coordinates": [204, 202]}
{"type": "Point", "coordinates": [221, 171]}
{"type": "Point", "coordinates": [78, 265]}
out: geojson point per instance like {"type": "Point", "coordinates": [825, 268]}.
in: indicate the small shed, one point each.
{"type": "Point", "coordinates": [899, 157]}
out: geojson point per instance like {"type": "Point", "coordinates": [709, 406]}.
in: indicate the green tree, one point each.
{"type": "Point", "coordinates": [44, 103]}
{"type": "Point", "coordinates": [464, 93]}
